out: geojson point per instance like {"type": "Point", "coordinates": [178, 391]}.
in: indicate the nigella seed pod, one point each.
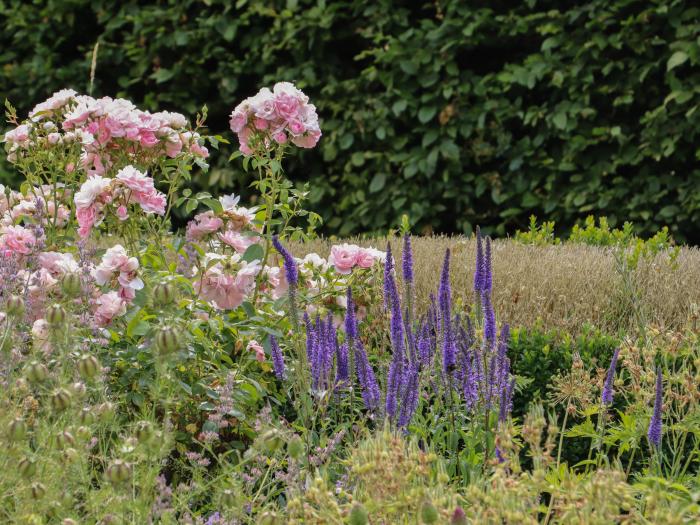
{"type": "Point", "coordinates": [228, 498]}
{"type": "Point", "coordinates": [83, 433]}
{"type": "Point", "coordinates": [118, 472]}
{"type": "Point", "coordinates": [358, 515]}
{"type": "Point", "coordinates": [61, 400]}
{"type": "Point", "coordinates": [79, 388]}
{"type": "Point", "coordinates": [15, 306]}
{"type": "Point", "coordinates": [87, 416]}
{"type": "Point", "coordinates": [56, 315]}
{"type": "Point", "coordinates": [105, 412]}
{"type": "Point", "coordinates": [272, 440]}
{"type": "Point", "coordinates": [17, 430]}
{"type": "Point", "coordinates": [69, 521]}
{"type": "Point", "coordinates": [295, 447]}
{"type": "Point", "coordinates": [268, 518]}
{"type": "Point", "coordinates": [70, 455]}
{"type": "Point", "coordinates": [144, 432]}
{"type": "Point", "coordinates": [164, 294]}
{"type": "Point", "coordinates": [64, 440]}
{"type": "Point", "coordinates": [38, 490]}
{"type": "Point", "coordinates": [67, 500]}
{"type": "Point", "coordinates": [26, 467]}
{"type": "Point", "coordinates": [166, 341]}
{"type": "Point", "coordinates": [71, 285]}
{"type": "Point", "coordinates": [36, 372]}
{"type": "Point", "coordinates": [88, 366]}
{"type": "Point", "coordinates": [429, 513]}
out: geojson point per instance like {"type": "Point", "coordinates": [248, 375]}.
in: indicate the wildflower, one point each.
{"type": "Point", "coordinates": [388, 273]}
{"type": "Point", "coordinates": [277, 358]}
{"type": "Point", "coordinates": [256, 347]}
{"type": "Point", "coordinates": [607, 395]}
{"type": "Point", "coordinates": [655, 427]}
{"type": "Point", "coordinates": [478, 271]}
{"type": "Point", "coordinates": [290, 266]}
{"type": "Point", "coordinates": [407, 260]}
{"type": "Point", "coordinates": [445, 305]}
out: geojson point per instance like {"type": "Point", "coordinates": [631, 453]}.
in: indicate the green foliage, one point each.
{"type": "Point", "coordinates": [493, 111]}
{"type": "Point", "coordinates": [538, 234]}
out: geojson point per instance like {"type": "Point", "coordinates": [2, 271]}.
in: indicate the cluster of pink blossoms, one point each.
{"type": "Point", "coordinates": [129, 187]}
{"type": "Point", "coordinates": [278, 116]}
{"type": "Point", "coordinates": [116, 269]}
{"type": "Point", "coordinates": [345, 257]}
{"type": "Point", "coordinates": [227, 281]}
{"type": "Point", "coordinates": [103, 127]}
{"type": "Point", "coordinates": [233, 226]}
{"type": "Point", "coordinates": [37, 206]}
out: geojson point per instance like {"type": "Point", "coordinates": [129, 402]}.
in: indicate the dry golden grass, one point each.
{"type": "Point", "coordinates": [559, 287]}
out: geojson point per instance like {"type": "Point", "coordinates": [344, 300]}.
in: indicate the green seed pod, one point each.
{"type": "Point", "coordinates": [79, 389]}
{"type": "Point", "coordinates": [164, 294]}
{"type": "Point", "coordinates": [15, 306]}
{"type": "Point", "coordinates": [61, 399]}
{"type": "Point", "coordinates": [26, 467]}
{"type": "Point", "coordinates": [295, 447]}
{"type": "Point", "coordinates": [87, 416]}
{"type": "Point", "coordinates": [88, 366]}
{"type": "Point", "coordinates": [71, 285]}
{"type": "Point", "coordinates": [56, 315]}
{"type": "Point", "coordinates": [36, 372]}
{"type": "Point", "coordinates": [118, 472]}
{"type": "Point", "coordinates": [268, 518]}
{"type": "Point", "coordinates": [17, 430]}
{"type": "Point", "coordinates": [38, 490]}
{"type": "Point", "coordinates": [69, 521]}
{"type": "Point", "coordinates": [167, 341]}
{"type": "Point", "coordinates": [105, 412]}
{"type": "Point", "coordinates": [67, 500]}
{"type": "Point", "coordinates": [228, 498]}
{"type": "Point", "coordinates": [358, 515]}
{"type": "Point", "coordinates": [272, 440]}
{"type": "Point", "coordinates": [83, 433]}
{"type": "Point", "coordinates": [144, 432]}
{"type": "Point", "coordinates": [64, 440]}
{"type": "Point", "coordinates": [428, 512]}
{"type": "Point", "coordinates": [70, 455]}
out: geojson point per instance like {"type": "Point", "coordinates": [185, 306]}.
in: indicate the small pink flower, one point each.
{"type": "Point", "coordinates": [122, 213]}
{"type": "Point", "coordinates": [237, 241]}
{"type": "Point", "coordinates": [86, 220]}
{"type": "Point", "coordinates": [110, 306]}
{"type": "Point", "coordinates": [203, 224]}
{"type": "Point", "coordinates": [258, 349]}
{"type": "Point", "coordinates": [17, 239]}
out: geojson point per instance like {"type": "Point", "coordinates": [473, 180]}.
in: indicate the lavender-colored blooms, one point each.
{"type": "Point", "coordinates": [478, 271]}
{"type": "Point", "coordinates": [350, 319]}
{"type": "Point", "coordinates": [654, 432]}
{"type": "Point", "coordinates": [487, 273]}
{"type": "Point", "coordinates": [290, 266]}
{"type": "Point", "coordinates": [607, 395]}
{"type": "Point", "coordinates": [489, 319]}
{"type": "Point", "coordinates": [366, 378]}
{"type": "Point", "coordinates": [388, 276]}
{"type": "Point", "coordinates": [410, 394]}
{"type": "Point", "coordinates": [506, 404]}
{"type": "Point", "coordinates": [342, 371]}
{"type": "Point", "coordinates": [445, 306]}
{"type": "Point", "coordinates": [393, 382]}
{"type": "Point", "coordinates": [277, 358]}
{"type": "Point", "coordinates": [407, 260]}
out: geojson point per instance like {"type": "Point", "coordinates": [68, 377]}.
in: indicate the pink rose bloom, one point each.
{"type": "Point", "coordinates": [203, 224]}
{"type": "Point", "coordinates": [92, 190]}
{"type": "Point", "coordinates": [152, 202]}
{"type": "Point", "coordinates": [237, 241]}
{"type": "Point", "coordinates": [296, 127]}
{"type": "Point", "coordinates": [53, 138]}
{"type": "Point", "coordinates": [115, 260]}
{"type": "Point", "coordinates": [58, 264]}
{"type": "Point", "coordinates": [261, 124]}
{"type": "Point", "coordinates": [308, 140]}
{"type": "Point", "coordinates": [280, 137]}
{"type": "Point", "coordinates": [173, 147]}
{"type": "Point", "coordinates": [278, 282]}
{"type": "Point", "coordinates": [109, 307]}
{"type": "Point", "coordinates": [135, 180]}
{"type": "Point", "coordinates": [286, 106]}
{"type": "Point", "coordinates": [17, 240]}
{"type": "Point", "coordinates": [86, 220]}
{"type": "Point", "coordinates": [367, 257]}
{"type": "Point", "coordinates": [343, 257]}
{"type": "Point", "coordinates": [238, 120]}
{"type": "Point", "coordinates": [148, 139]}
{"type": "Point", "coordinates": [122, 213]}
{"type": "Point", "coordinates": [258, 349]}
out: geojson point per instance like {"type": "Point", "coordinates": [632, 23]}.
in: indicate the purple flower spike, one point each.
{"type": "Point", "coordinates": [388, 276]}
{"type": "Point", "coordinates": [607, 396]}
{"type": "Point", "coordinates": [277, 358]}
{"type": "Point", "coordinates": [290, 265]}
{"type": "Point", "coordinates": [654, 433]}
{"type": "Point", "coordinates": [478, 271]}
{"type": "Point", "coordinates": [487, 273]}
{"type": "Point", "coordinates": [366, 378]}
{"type": "Point", "coordinates": [407, 260]}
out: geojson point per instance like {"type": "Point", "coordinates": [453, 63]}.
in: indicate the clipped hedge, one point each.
{"type": "Point", "coordinates": [457, 112]}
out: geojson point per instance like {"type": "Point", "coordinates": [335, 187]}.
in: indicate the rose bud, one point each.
{"type": "Point", "coordinates": [38, 490]}
{"type": "Point", "coordinates": [61, 399]}
{"type": "Point", "coordinates": [36, 372]}
{"type": "Point", "coordinates": [88, 366]}
{"type": "Point", "coordinates": [64, 439]}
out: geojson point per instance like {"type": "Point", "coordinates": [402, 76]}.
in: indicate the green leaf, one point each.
{"type": "Point", "coordinates": [399, 106]}
{"type": "Point", "coordinates": [253, 253]}
{"type": "Point", "coordinates": [426, 113]}
{"type": "Point", "coordinates": [677, 58]}
{"type": "Point", "coordinates": [377, 183]}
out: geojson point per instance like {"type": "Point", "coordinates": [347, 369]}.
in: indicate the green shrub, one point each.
{"type": "Point", "coordinates": [493, 111]}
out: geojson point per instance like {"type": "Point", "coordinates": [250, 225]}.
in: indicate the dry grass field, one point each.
{"type": "Point", "coordinates": [558, 287]}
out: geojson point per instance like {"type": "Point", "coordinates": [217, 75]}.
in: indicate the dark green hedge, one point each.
{"type": "Point", "coordinates": [457, 112]}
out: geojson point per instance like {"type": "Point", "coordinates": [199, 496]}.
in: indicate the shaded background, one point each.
{"type": "Point", "coordinates": [455, 112]}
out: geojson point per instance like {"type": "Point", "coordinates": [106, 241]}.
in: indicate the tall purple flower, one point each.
{"type": "Point", "coordinates": [506, 404]}
{"type": "Point", "coordinates": [388, 276]}
{"type": "Point", "coordinates": [410, 394]}
{"type": "Point", "coordinates": [654, 432]}
{"type": "Point", "coordinates": [487, 273]}
{"type": "Point", "coordinates": [445, 306]}
{"type": "Point", "coordinates": [607, 396]}
{"type": "Point", "coordinates": [277, 358]}
{"type": "Point", "coordinates": [407, 260]}
{"type": "Point", "coordinates": [342, 370]}
{"type": "Point", "coordinates": [489, 319]}
{"type": "Point", "coordinates": [290, 265]}
{"type": "Point", "coordinates": [366, 378]}
{"type": "Point", "coordinates": [479, 269]}
{"type": "Point", "coordinates": [398, 348]}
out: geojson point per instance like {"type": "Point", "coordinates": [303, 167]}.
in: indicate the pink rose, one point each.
{"type": "Point", "coordinates": [122, 213]}
{"type": "Point", "coordinates": [17, 239]}
{"type": "Point", "coordinates": [258, 349]}
{"type": "Point", "coordinates": [109, 306]}
{"type": "Point", "coordinates": [343, 257]}
{"type": "Point", "coordinates": [203, 224]}
{"type": "Point", "coordinates": [286, 106]}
